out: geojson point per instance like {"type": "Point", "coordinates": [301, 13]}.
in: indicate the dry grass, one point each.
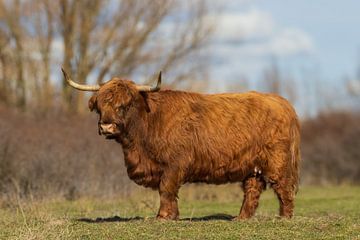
{"type": "Point", "coordinates": [321, 213]}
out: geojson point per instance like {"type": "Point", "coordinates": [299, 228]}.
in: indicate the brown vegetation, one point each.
{"type": "Point", "coordinates": [331, 148]}
{"type": "Point", "coordinates": [57, 156]}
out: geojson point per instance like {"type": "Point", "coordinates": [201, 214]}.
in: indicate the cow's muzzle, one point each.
{"type": "Point", "coordinates": [108, 130]}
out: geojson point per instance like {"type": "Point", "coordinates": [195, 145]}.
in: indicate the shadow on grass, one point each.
{"type": "Point", "coordinates": [214, 217]}
{"type": "Point", "coordinates": [109, 219]}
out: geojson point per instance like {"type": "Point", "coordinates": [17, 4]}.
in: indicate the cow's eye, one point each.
{"type": "Point", "coordinates": [120, 111]}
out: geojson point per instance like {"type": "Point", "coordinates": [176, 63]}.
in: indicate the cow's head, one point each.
{"type": "Point", "coordinates": [112, 101]}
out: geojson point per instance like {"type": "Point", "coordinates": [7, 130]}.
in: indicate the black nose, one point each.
{"type": "Point", "coordinates": [100, 128]}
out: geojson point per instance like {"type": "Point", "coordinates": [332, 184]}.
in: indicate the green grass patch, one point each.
{"type": "Point", "coordinates": [320, 213]}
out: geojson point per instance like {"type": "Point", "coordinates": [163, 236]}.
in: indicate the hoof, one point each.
{"type": "Point", "coordinates": [167, 217]}
{"type": "Point", "coordinates": [286, 216]}
{"type": "Point", "coordinates": [243, 216]}
{"type": "Point", "coordinates": [240, 218]}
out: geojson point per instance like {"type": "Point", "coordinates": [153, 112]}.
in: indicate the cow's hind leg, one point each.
{"type": "Point", "coordinates": [252, 186]}
{"type": "Point", "coordinates": [285, 191]}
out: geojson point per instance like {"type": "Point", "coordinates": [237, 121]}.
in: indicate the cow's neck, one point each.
{"type": "Point", "coordinates": [136, 154]}
{"type": "Point", "coordinates": [136, 128]}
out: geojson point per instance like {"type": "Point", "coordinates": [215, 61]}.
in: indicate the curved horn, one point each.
{"type": "Point", "coordinates": [144, 88]}
{"type": "Point", "coordinates": [78, 86]}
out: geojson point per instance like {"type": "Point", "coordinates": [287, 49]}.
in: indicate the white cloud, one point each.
{"type": "Point", "coordinates": [287, 42]}
{"type": "Point", "coordinates": [244, 42]}
{"type": "Point", "coordinates": [353, 87]}
{"type": "Point", "coordinates": [290, 41]}
{"type": "Point", "coordinates": [244, 26]}
{"type": "Point", "coordinates": [255, 33]}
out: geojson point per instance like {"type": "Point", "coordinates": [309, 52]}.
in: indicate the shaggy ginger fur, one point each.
{"type": "Point", "coordinates": [171, 137]}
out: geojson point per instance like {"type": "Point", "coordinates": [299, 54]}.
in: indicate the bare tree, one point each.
{"type": "Point", "coordinates": [44, 35]}
{"type": "Point", "coordinates": [121, 37]}
{"type": "Point", "coordinates": [23, 37]}
{"type": "Point", "coordinates": [353, 85]}
{"type": "Point", "coordinates": [4, 84]}
{"type": "Point", "coordinates": [274, 81]}
{"type": "Point", "coordinates": [100, 39]}
{"type": "Point", "coordinates": [11, 13]}
{"type": "Point", "coordinates": [272, 78]}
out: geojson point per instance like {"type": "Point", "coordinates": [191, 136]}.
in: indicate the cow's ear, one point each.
{"type": "Point", "coordinates": [92, 103]}
{"type": "Point", "coordinates": [145, 96]}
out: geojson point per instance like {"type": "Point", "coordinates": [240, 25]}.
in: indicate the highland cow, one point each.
{"type": "Point", "coordinates": [170, 138]}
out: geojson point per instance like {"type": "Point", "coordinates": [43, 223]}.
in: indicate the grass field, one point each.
{"type": "Point", "coordinates": [320, 213]}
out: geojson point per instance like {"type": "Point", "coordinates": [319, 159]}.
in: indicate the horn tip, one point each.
{"type": "Point", "coordinates": [64, 73]}
{"type": "Point", "coordinates": [159, 78]}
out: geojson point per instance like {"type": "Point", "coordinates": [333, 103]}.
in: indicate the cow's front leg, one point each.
{"type": "Point", "coordinates": [168, 190]}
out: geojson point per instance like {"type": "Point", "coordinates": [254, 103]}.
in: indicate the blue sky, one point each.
{"type": "Point", "coordinates": [307, 35]}
{"type": "Point", "coordinates": [333, 27]}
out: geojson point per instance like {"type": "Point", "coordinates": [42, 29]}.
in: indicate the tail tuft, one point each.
{"type": "Point", "coordinates": [295, 152]}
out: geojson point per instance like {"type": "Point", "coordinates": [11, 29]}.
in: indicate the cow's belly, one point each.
{"type": "Point", "coordinates": [218, 175]}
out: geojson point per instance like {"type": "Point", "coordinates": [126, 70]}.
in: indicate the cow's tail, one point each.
{"type": "Point", "coordinates": [295, 152]}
